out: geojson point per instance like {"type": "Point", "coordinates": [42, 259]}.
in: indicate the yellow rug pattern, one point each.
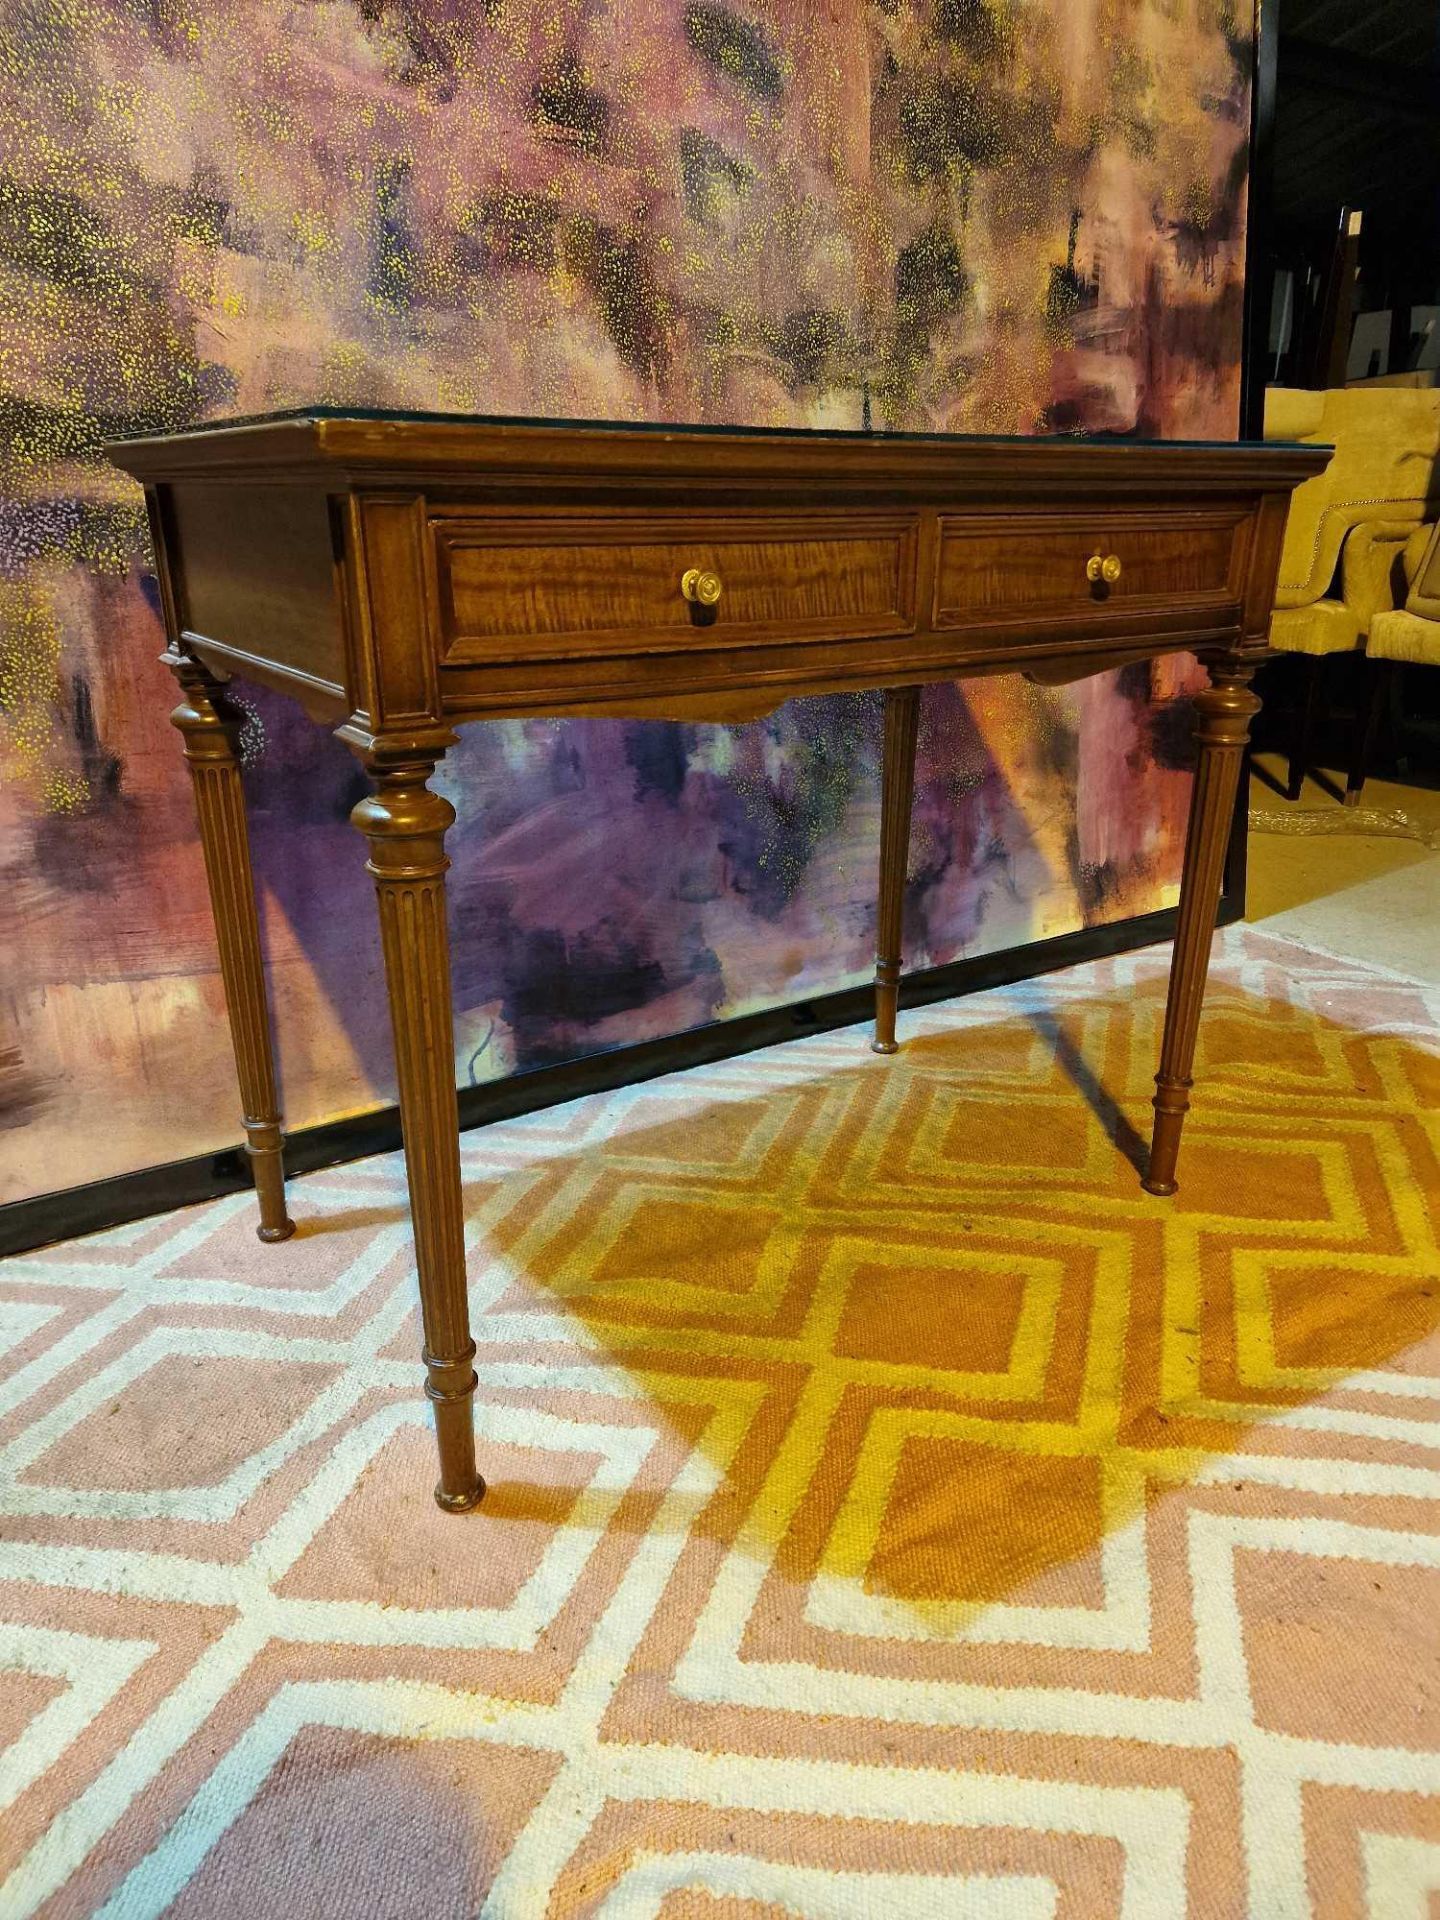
{"type": "Point", "coordinates": [893, 1509]}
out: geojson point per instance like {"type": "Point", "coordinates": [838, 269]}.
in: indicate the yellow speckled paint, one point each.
{"type": "Point", "coordinates": [1019, 216]}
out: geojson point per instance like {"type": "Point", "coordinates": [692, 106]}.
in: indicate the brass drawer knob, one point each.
{"type": "Point", "coordinates": [1104, 567]}
{"type": "Point", "coordinates": [700, 586]}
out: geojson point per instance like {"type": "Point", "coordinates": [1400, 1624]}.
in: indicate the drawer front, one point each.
{"type": "Point", "coordinates": [991, 572]}
{"type": "Point", "coordinates": [524, 587]}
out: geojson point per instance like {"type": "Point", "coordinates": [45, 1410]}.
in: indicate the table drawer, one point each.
{"type": "Point", "coordinates": [520, 587]}
{"type": "Point", "coordinates": [1053, 566]}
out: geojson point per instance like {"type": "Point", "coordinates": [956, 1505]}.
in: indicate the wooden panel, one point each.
{"type": "Point", "coordinates": [522, 587]}
{"type": "Point", "coordinates": [748, 680]}
{"type": "Point", "coordinates": [553, 464]}
{"type": "Point", "coordinates": [391, 609]}
{"type": "Point", "coordinates": [993, 568]}
{"type": "Point", "coordinates": [253, 571]}
{"type": "Point", "coordinates": [1264, 539]}
{"type": "Point", "coordinates": [519, 567]}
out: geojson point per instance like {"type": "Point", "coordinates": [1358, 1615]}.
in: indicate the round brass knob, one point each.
{"type": "Point", "coordinates": [700, 586]}
{"type": "Point", "coordinates": [1106, 567]}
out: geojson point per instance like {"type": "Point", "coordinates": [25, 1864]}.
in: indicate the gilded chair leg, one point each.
{"type": "Point", "coordinates": [405, 824]}
{"type": "Point", "coordinates": [1224, 713]}
{"type": "Point", "coordinates": [210, 727]}
{"type": "Point", "coordinates": [897, 798]}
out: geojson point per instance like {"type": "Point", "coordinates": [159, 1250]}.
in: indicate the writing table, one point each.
{"type": "Point", "coordinates": [404, 574]}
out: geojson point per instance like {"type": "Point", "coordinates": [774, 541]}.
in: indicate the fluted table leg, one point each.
{"type": "Point", "coordinates": [210, 727]}
{"type": "Point", "coordinates": [897, 798]}
{"type": "Point", "coordinates": [405, 824]}
{"type": "Point", "coordinates": [1223, 715]}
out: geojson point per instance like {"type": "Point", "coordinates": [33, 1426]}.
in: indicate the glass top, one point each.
{"type": "Point", "coordinates": [398, 415]}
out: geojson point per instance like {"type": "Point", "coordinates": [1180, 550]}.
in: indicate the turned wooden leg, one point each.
{"type": "Point", "coordinates": [405, 824]}
{"type": "Point", "coordinates": [1224, 712]}
{"type": "Point", "coordinates": [897, 796]}
{"type": "Point", "coordinates": [211, 727]}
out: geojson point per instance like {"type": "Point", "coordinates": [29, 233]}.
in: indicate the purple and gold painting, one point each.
{"type": "Point", "coordinates": [999, 216]}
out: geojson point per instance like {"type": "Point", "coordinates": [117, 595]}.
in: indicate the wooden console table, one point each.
{"type": "Point", "coordinates": [401, 574]}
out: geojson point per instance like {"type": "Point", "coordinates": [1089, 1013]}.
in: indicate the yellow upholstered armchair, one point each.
{"type": "Point", "coordinates": [1349, 527]}
{"type": "Point", "coordinates": [1409, 636]}
{"type": "Point", "coordinates": [1412, 633]}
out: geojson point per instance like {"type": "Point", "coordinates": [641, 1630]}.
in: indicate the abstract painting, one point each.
{"type": "Point", "coordinates": [999, 216]}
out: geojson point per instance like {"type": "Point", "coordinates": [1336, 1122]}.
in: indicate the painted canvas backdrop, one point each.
{"type": "Point", "coordinates": [1017, 216]}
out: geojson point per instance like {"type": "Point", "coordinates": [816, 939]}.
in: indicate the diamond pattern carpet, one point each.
{"type": "Point", "coordinates": [893, 1510]}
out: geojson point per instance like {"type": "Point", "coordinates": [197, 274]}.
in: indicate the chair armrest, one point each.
{"type": "Point", "coordinates": [1372, 568]}
{"type": "Point", "coordinates": [1424, 596]}
{"type": "Point", "coordinates": [1384, 469]}
{"type": "Point", "coordinates": [1416, 548]}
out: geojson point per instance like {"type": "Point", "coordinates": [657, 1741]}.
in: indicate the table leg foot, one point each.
{"type": "Point", "coordinates": [887, 1007]}
{"type": "Point", "coordinates": [267, 1167]}
{"type": "Point", "coordinates": [1171, 1105]}
{"type": "Point", "coordinates": [465, 1501]}
{"type": "Point", "coordinates": [450, 1387]}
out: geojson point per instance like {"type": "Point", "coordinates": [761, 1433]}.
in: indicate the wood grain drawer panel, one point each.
{"type": "Point", "coordinates": [990, 571]}
{"type": "Point", "coordinates": [254, 572]}
{"type": "Point", "coordinates": [518, 587]}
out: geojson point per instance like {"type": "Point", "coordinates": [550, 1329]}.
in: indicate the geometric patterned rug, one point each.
{"type": "Point", "coordinates": [893, 1511]}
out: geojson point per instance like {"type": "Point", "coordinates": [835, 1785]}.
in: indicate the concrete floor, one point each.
{"type": "Point", "coordinates": [1367, 895]}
